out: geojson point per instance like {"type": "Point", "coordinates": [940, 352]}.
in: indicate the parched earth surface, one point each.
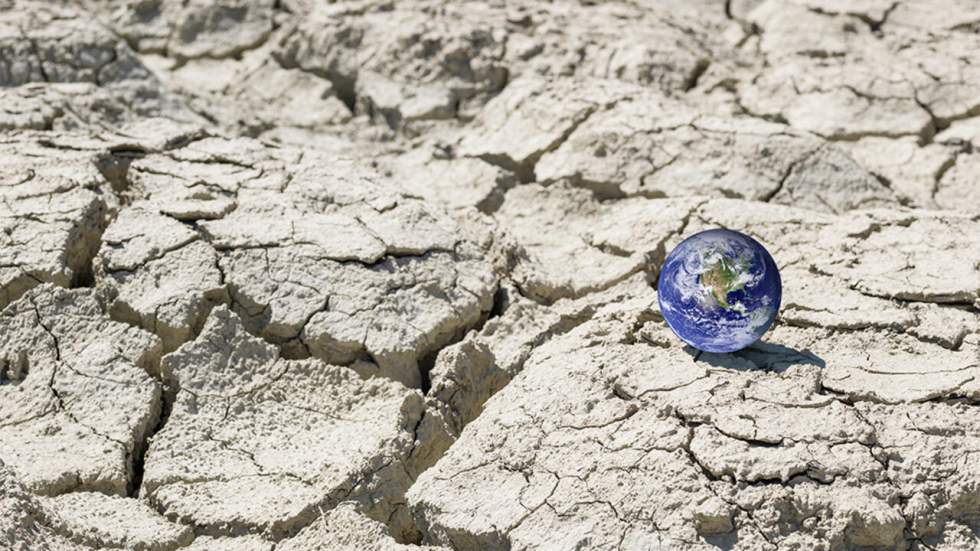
{"type": "Point", "coordinates": [290, 275]}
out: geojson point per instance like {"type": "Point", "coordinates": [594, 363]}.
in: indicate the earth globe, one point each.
{"type": "Point", "coordinates": [719, 290]}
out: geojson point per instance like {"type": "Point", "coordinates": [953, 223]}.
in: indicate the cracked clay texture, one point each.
{"type": "Point", "coordinates": [375, 275]}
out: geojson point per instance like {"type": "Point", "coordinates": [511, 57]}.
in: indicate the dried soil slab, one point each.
{"type": "Point", "coordinates": [896, 364]}
{"type": "Point", "coordinates": [456, 183]}
{"type": "Point", "coordinates": [299, 99]}
{"type": "Point", "coordinates": [23, 520]}
{"type": "Point", "coordinates": [81, 521]}
{"type": "Point", "coordinates": [374, 53]}
{"type": "Point", "coordinates": [77, 402]}
{"type": "Point", "coordinates": [927, 257]}
{"type": "Point", "coordinates": [158, 275]}
{"type": "Point", "coordinates": [811, 300]}
{"type": "Point", "coordinates": [51, 216]}
{"type": "Point", "coordinates": [343, 528]}
{"type": "Point", "coordinates": [196, 177]}
{"type": "Point", "coordinates": [258, 444]}
{"type": "Point", "coordinates": [828, 302]}
{"type": "Point", "coordinates": [533, 116]}
{"type": "Point", "coordinates": [99, 521]}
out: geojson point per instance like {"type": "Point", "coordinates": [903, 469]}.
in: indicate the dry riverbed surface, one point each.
{"type": "Point", "coordinates": [296, 275]}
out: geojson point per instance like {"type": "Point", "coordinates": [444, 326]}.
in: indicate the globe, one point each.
{"type": "Point", "coordinates": [719, 290]}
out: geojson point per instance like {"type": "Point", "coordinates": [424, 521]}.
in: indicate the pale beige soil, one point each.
{"type": "Point", "coordinates": [295, 275]}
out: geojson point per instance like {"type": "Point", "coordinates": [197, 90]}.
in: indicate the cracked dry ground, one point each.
{"type": "Point", "coordinates": [370, 275]}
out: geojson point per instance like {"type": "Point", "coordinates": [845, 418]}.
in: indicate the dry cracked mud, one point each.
{"type": "Point", "coordinates": [288, 275]}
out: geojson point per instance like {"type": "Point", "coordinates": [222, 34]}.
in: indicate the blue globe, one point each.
{"type": "Point", "coordinates": [719, 290]}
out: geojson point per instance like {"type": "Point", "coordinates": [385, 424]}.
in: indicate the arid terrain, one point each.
{"type": "Point", "coordinates": [297, 275]}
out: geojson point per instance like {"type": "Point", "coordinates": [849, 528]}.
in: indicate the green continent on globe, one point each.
{"type": "Point", "coordinates": [722, 278]}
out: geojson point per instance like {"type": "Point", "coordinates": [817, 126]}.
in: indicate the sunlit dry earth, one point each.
{"type": "Point", "coordinates": [370, 275]}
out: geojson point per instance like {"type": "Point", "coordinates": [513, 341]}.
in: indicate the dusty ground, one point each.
{"type": "Point", "coordinates": [295, 275]}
